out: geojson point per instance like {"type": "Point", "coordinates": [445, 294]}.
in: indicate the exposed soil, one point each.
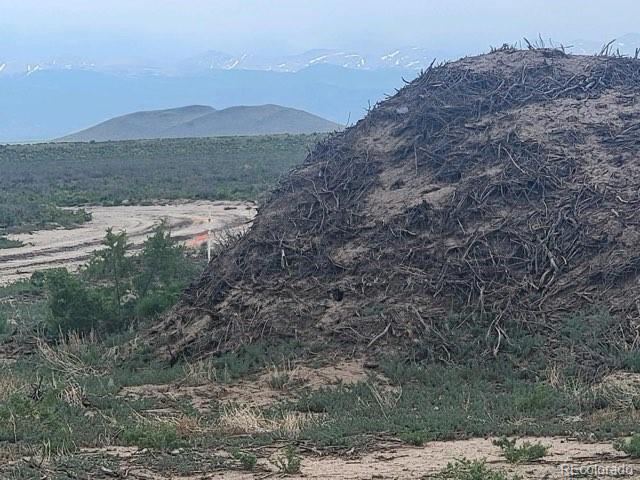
{"type": "Point", "coordinates": [189, 222]}
{"type": "Point", "coordinates": [385, 458]}
{"type": "Point", "coordinates": [397, 462]}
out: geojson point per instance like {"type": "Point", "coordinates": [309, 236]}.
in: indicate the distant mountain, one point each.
{"type": "Point", "coordinates": [203, 121]}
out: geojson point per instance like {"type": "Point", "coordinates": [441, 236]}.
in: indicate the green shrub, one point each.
{"type": "Point", "coordinates": [464, 469]}
{"type": "Point", "coordinates": [4, 324]}
{"type": "Point", "coordinates": [74, 306]}
{"type": "Point", "coordinates": [631, 362]}
{"type": "Point", "coordinates": [417, 439]}
{"type": "Point", "coordinates": [248, 461]}
{"type": "Point", "coordinates": [115, 289]}
{"type": "Point", "coordinates": [288, 464]}
{"type": "Point", "coordinates": [155, 303]}
{"type": "Point", "coordinates": [5, 243]}
{"type": "Point", "coordinates": [526, 452]}
{"type": "Point", "coordinates": [535, 398]}
{"type": "Point", "coordinates": [162, 436]}
{"type": "Point", "coordinates": [629, 446]}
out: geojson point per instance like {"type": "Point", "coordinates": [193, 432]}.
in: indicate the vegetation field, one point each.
{"type": "Point", "coordinates": [39, 180]}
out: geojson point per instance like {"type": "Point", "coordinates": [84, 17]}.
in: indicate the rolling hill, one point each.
{"type": "Point", "coordinates": [204, 121]}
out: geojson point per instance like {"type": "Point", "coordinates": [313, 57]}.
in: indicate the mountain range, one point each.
{"type": "Point", "coordinates": [48, 98]}
{"type": "Point", "coordinates": [412, 58]}
{"type": "Point", "coordinates": [204, 121]}
{"type": "Point", "coordinates": [407, 58]}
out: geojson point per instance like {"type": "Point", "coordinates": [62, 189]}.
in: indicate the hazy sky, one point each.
{"type": "Point", "coordinates": [175, 28]}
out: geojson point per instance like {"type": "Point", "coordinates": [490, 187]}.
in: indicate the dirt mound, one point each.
{"type": "Point", "coordinates": [492, 196]}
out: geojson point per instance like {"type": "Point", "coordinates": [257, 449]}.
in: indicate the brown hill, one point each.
{"type": "Point", "coordinates": [493, 197]}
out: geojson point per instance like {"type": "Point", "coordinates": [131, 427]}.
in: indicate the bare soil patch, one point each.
{"type": "Point", "coordinates": [189, 222]}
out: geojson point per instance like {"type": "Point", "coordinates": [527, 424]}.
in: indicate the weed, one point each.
{"type": "Point", "coordinates": [538, 397]}
{"type": "Point", "coordinates": [248, 461]}
{"type": "Point", "coordinates": [417, 439]}
{"type": "Point", "coordinates": [160, 435]}
{"type": "Point", "coordinates": [464, 469]}
{"type": "Point", "coordinates": [438, 401]}
{"type": "Point", "coordinates": [631, 361]}
{"type": "Point", "coordinates": [279, 380]}
{"type": "Point", "coordinates": [526, 452]}
{"type": "Point", "coordinates": [629, 446]}
{"type": "Point", "coordinates": [4, 324]}
{"type": "Point", "coordinates": [252, 358]}
{"type": "Point", "coordinates": [187, 464]}
{"type": "Point", "coordinates": [288, 464]}
{"type": "Point", "coordinates": [6, 243]}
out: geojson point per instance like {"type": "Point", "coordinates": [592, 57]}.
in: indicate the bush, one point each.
{"type": "Point", "coordinates": [527, 452]}
{"type": "Point", "coordinates": [464, 469]}
{"type": "Point", "coordinates": [631, 362]}
{"type": "Point", "coordinates": [6, 243]}
{"type": "Point", "coordinates": [116, 289]}
{"type": "Point", "coordinates": [417, 439]}
{"type": "Point", "coordinates": [73, 306]}
{"type": "Point", "coordinates": [162, 436]}
{"type": "Point", "coordinates": [155, 303]}
{"type": "Point", "coordinates": [248, 461]}
{"type": "Point", "coordinates": [4, 324]}
{"type": "Point", "coordinates": [289, 464]}
{"type": "Point", "coordinates": [630, 446]}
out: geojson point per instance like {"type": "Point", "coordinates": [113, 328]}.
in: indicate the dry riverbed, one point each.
{"type": "Point", "coordinates": [189, 222]}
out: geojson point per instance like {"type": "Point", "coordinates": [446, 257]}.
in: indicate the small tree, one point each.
{"type": "Point", "coordinates": [162, 273]}
{"type": "Point", "coordinates": [150, 281]}
{"type": "Point", "coordinates": [111, 263]}
{"type": "Point", "coordinates": [161, 261]}
{"type": "Point", "coordinates": [73, 306]}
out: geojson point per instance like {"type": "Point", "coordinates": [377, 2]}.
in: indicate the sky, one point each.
{"type": "Point", "coordinates": [179, 28]}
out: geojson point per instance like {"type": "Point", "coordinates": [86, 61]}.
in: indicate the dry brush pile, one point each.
{"type": "Point", "coordinates": [500, 191]}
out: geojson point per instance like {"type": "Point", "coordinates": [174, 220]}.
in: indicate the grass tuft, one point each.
{"type": "Point", "coordinates": [526, 452]}
{"type": "Point", "coordinates": [464, 469]}
{"type": "Point", "coordinates": [248, 461]}
{"type": "Point", "coordinates": [630, 446]}
{"type": "Point", "coordinates": [289, 463]}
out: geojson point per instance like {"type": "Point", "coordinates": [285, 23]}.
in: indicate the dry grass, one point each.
{"type": "Point", "coordinates": [244, 420]}
{"type": "Point", "coordinates": [621, 390]}
{"type": "Point", "coordinates": [66, 356]}
{"type": "Point", "coordinates": [202, 372]}
{"type": "Point", "coordinates": [558, 381]}
{"type": "Point", "coordinates": [73, 394]}
{"type": "Point", "coordinates": [386, 397]}
{"type": "Point", "coordinates": [292, 423]}
{"type": "Point", "coordinates": [236, 420]}
{"type": "Point", "coordinates": [9, 385]}
{"type": "Point", "coordinates": [285, 377]}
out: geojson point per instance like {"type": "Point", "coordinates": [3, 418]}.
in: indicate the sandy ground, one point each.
{"type": "Point", "coordinates": [385, 459]}
{"type": "Point", "coordinates": [589, 460]}
{"type": "Point", "coordinates": [189, 222]}
{"type": "Point", "coordinates": [388, 459]}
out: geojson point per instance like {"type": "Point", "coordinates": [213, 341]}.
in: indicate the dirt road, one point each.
{"type": "Point", "coordinates": [189, 222]}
